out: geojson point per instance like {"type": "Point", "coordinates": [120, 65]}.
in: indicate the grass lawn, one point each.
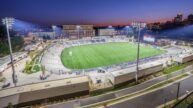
{"type": "Point", "coordinates": [173, 69]}
{"type": "Point", "coordinates": [92, 56]}
{"type": "Point", "coordinates": [37, 68]}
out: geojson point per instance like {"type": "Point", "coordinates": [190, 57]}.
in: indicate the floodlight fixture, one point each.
{"type": "Point", "coordinates": [78, 26]}
{"type": "Point", "coordinates": [8, 22]}
{"type": "Point", "coordinates": [127, 27]}
{"type": "Point", "coordinates": [53, 27]}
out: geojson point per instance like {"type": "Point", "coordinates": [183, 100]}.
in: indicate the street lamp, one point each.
{"type": "Point", "coordinates": [8, 22]}
{"type": "Point", "coordinates": [139, 26]}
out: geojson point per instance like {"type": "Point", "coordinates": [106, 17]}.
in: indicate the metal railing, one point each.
{"type": "Point", "coordinates": [186, 102]}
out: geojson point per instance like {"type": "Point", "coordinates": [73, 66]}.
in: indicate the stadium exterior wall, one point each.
{"type": "Point", "coordinates": [150, 70]}
{"type": "Point", "coordinates": [49, 93]}
{"type": "Point", "coordinates": [184, 58]}
{"type": "Point", "coordinates": [124, 78]}
{"type": "Point", "coordinates": [128, 75]}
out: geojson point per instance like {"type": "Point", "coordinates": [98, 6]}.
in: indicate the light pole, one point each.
{"type": "Point", "coordinates": [178, 90]}
{"type": "Point", "coordinates": [53, 28]}
{"type": "Point", "coordinates": [8, 22]}
{"type": "Point", "coordinates": [110, 32]}
{"type": "Point", "coordinates": [78, 29]}
{"type": "Point", "coordinates": [127, 29]}
{"type": "Point", "coordinates": [139, 26]}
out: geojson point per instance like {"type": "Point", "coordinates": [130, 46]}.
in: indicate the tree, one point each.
{"type": "Point", "coordinates": [190, 17]}
{"type": "Point", "coordinates": [10, 105]}
{"type": "Point", "coordinates": [17, 44]}
{"type": "Point", "coordinates": [2, 33]}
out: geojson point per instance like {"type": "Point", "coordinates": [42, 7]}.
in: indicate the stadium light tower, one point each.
{"type": "Point", "coordinates": [8, 22]}
{"type": "Point", "coordinates": [139, 26]}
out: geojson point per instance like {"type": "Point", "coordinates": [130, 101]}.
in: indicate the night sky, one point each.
{"type": "Point", "coordinates": [97, 12]}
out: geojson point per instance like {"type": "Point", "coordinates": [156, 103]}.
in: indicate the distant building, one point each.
{"type": "Point", "coordinates": [115, 31]}
{"type": "Point", "coordinates": [43, 34]}
{"type": "Point", "coordinates": [32, 47]}
{"type": "Point", "coordinates": [106, 32]}
{"type": "Point", "coordinates": [154, 26]}
{"type": "Point", "coordinates": [78, 31]}
{"type": "Point", "coordinates": [29, 39]}
{"type": "Point", "coordinates": [178, 21]}
{"type": "Point", "coordinates": [178, 18]}
{"type": "Point", "coordinates": [163, 42]}
{"type": "Point", "coordinates": [190, 17]}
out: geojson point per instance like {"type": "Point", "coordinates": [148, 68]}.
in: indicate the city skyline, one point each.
{"type": "Point", "coordinates": [96, 12]}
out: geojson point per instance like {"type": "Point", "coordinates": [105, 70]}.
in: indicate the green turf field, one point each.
{"type": "Point", "coordinates": [91, 56]}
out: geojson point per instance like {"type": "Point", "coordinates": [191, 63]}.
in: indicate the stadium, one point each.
{"type": "Point", "coordinates": [96, 54]}
{"type": "Point", "coordinates": [103, 52]}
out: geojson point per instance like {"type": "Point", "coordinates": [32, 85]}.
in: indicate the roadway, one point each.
{"type": "Point", "coordinates": [156, 98]}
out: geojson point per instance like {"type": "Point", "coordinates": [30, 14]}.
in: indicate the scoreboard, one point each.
{"type": "Point", "coordinates": [149, 38]}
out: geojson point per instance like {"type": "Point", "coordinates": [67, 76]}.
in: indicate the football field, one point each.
{"type": "Point", "coordinates": [97, 55]}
